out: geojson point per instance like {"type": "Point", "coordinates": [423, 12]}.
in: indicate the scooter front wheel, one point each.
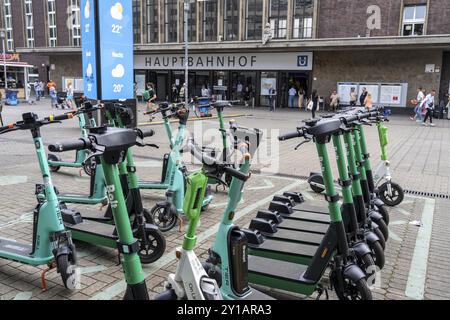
{"type": "Point", "coordinates": [378, 254]}
{"type": "Point", "coordinates": [383, 211]}
{"type": "Point", "coordinates": [351, 290]}
{"type": "Point", "coordinates": [167, 295]}
{"type": "Point", "coordinates": [164, 217]}
{"type": "Point", "coordinates": [54, 158]}
{"type": "Point", "coordinates": [153, 247]}
{"type": "Point", "coordinates": [395, 198]}
{"type": "Point", "coordinates": [316, 183]}
{"type": "Point", "coordinates": [89, 167]}
{"type": "Point", "coordinates": [67, 270]}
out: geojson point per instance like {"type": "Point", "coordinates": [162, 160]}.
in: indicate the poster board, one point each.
{"type": "Point", "coordinates": [344, 90]}
{"type": "Point", "coordinates": [391, 94]}
{"type": "Point", "coordinates": [266, 84]}
{"type": "Point", "coordinates": [373, 89]}
{"type": "Point", "coordinates": [140, 80]}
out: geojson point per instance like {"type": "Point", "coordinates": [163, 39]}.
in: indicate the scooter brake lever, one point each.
{"type": "Point", "coordinates": [302, 143]}
{"type": "Point", "coordinates": [100, 150]}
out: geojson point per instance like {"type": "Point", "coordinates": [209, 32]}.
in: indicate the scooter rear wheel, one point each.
{"type": "Point", "coordinates": [391, 200]}
{"type": "Point", "coordinates": [54, 158]}
{"type": "Point", "coordinates": [154, 248]}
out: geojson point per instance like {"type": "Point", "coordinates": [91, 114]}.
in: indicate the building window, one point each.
{"type": "Point", "coordinates": [192, 22]}
{"type": "Point", "coordinates": [303, 19]}
{"type": "Point", "coordinates": [137, 21]}
{"type": "Point", "coordinates": [253, 19]}
{"type": "Point", "coordinates": [170, 20]}
{"type": "Point", "coordinates": [210, 20]}
{"type": "Point", "coordinates": [74, 10]}
{"type": "Point", "coordinates": [231, 20]}
{"type": "Point", "coordinates": [152, 21]}
{"type": "Point", "coordinates": [51, 20]}
{"type": "Point", "coordinates": [8, 25]}
{"type": "Point", "coordinates": [414, 20]}
{"type": "Point", "coordinates": [29, 26]}
{"type": "Point", "coordinates": [278, 18]}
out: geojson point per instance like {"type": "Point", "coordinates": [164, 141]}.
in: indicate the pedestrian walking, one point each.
{"type": "Point", "coordinates": [149, 98]}
{"type": "Point", "coordinates": [301, 98]}
{"type": "Point", "coordinates": [37, 90]}
{"type": "Point", "coordinates": [174, 93]}
{"type": "Point", "coordinates": [53, 97]}
{"type": "Point", "coordinates": [418, 105]}
{"type": "Point", "coordinates": [428, 108]}
{"type": "Point", "coordinates": [41, 89]}
{"type": "Point", "coordinates": [353, 97]}
{"type": "Point", "coordinates": [28, 94]}
{"type": "Point", "coordinates": [69, 97]}
{"type": "Point", "coordinates": [315, 102]}
{"type": "Point", "coordinates": [292, 95]}
{"type": "Point", "coordinates": [334, 101]}
{"type": "Point", "coordinates": [271, 99]}
{"type": "Point", "coordinates": [368, 101]}
{"type": "Point", "coordinates": [363, 96]}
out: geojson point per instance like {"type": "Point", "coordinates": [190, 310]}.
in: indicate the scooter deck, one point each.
{"type": "Point", "coordinates": [304, 207]}
{"type": "Point", "coordinates": [295, 236]}
{"type": "Point", "coordinates": [306, 226]}
{"type": "Point", "coordinates": [93, 232]}
{"type": "Point", "coordinates": [258, 295]}
{"type": "Point", "coordinates": [285, 251]}
{"type": "Point", "coordinates": [279, 274]}
{"type": "Point", "coordinates": [95, 215]}
{"type": "Point", "coordinates": [308, 216]}
{"type": "Point", "coordinates": [16, 248]}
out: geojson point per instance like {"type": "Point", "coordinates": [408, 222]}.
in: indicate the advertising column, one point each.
{"type": "Point", "coordinates": [107, 38]}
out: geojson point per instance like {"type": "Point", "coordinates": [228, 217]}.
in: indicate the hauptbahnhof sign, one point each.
{"type": "Point", "coordinates": [228, 61]}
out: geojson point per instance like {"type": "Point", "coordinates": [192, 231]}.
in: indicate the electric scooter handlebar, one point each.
{"type": "Point", "coordinates": [291, 135]}
{"type": "Point", "coordinates": [145, 133]}
{"type": "Point", "coordinates": [209, 161]}
{"type": "Point", "coordinates": [61, 117]}
{"type": "Point", "coordinates": [74, 145]}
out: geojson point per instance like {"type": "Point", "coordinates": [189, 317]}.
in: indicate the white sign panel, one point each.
{"type": "Point", "coordinates": [373, 89]}
{"type": "Point", "coordinates": [391, 95]}
{"type": "Point", "coordinates": [228, 61]}
{"type": "Point", "coordinates": [267, 84]}
{"type": "Point", "coordinates": [429, 68]}
{"type": "Point", "coordinates": [344, 90]}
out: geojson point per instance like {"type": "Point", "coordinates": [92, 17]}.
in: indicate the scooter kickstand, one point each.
{"type": "Point", "coordinates": [320, 291]}
{"type": "Point", "coordinates": [43, 282]}
{"type": "Point", "coordinates": [180, 221]}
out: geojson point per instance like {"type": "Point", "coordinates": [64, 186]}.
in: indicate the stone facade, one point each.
{"type": "Point", "coordinates": [394, 66]}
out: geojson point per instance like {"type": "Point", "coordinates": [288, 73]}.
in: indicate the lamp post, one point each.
{"type": "Point", "coordinates": [186, 52]}
{"type": "Point", "coordinates": [3, 36]}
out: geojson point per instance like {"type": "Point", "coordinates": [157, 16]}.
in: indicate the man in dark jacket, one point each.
{"type": "Point", "coordinates": [363, 96]}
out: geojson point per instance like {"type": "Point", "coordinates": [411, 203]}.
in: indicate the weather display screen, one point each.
{"type": "Point", "coordinates": [116, 45]}
{"type": "Point", "coordinates": [89, 49]}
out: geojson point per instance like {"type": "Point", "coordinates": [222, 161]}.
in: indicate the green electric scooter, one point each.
{"type": "Point", "coordinates": [165, 214]}
{"type": "Point", "coordinates": [52, 244]}
{"type": "Point", "coordinates": [96, 227]}
{"type": "Point", "coordinates": [346, 277]}
{"type": "Point", "coordinates": [111, 145]}
{"type": "Point", "coordinates": [55, 162]}
{"type": "Point", "coordinates": [196, 281]}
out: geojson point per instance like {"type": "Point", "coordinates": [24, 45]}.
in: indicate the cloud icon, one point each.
{"type": "Point", "coordinates": [117, 11]}
{"type": "Point", "coordinates": [118, 71]}
{"type": "Point", "coordinates": [89, 70]}
{"type": "Point", "coordinates": [87, 10]}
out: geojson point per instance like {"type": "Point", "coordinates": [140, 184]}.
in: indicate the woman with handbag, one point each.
{"type": "Point", "coordinates": [313, 103]}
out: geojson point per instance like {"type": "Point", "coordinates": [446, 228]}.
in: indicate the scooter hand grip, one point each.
{"type": "Point", "coordinates": [236, 173]}
{"type": "Point", "coordinates": [289, 136]}
{"type": "Point", "coordinates": [145, 133]}
{"type": "Point", "coordinates": [61, 117]}
{"type": "Point", "coordinates": [79, 144]}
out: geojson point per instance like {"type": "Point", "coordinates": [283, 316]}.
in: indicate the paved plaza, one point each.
{"type": "Point", "coordinates": [417, 255]}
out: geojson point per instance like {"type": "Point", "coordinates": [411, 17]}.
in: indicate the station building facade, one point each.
{"type": "Point", "coordinates": [240, 48]}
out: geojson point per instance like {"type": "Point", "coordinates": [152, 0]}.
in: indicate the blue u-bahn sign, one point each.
{"type": "Point", "coordinates": [107, 45]}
